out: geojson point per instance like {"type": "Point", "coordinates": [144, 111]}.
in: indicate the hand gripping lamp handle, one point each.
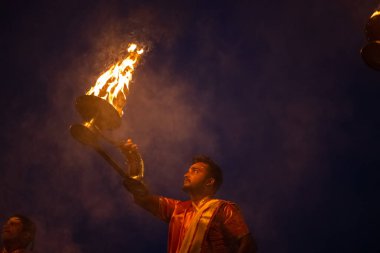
{"type": "Point", "coordinates": [99, 115]}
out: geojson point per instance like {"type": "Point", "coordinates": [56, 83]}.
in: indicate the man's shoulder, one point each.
{"type": "Point", "coordinates": [175, 202]}
{"type": "Point", "coordinates": [224, 202]}
{"type": "Point", "coordinates": [228, 207]}
{"type": "Point", "coordinates": [184, 204]}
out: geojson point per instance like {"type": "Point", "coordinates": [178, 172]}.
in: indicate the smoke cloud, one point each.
{"type": "Point", "coordinates": [269, 93]}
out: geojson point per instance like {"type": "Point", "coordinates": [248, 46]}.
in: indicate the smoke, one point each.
{"type": "Point", "coordinates": [66, 187]}
{"type": "Point", "coordinates": [264, 91]}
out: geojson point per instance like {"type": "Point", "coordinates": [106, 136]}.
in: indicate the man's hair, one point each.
{"type": "Point", "coordinates": [214, 170]}
{"type": "Point", "coordinates": [27, 226]}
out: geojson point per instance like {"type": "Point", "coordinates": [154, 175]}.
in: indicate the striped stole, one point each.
{"type": "Point", "coordinates": [195, 234]}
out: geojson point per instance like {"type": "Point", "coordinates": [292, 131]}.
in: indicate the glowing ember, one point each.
{"type": "Point", "coordinates": [113, 85]}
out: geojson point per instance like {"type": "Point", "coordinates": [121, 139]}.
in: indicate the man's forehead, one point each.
{"type": "Point", "coordinates": [15, 220]}
{"type": "Point", "coordinates": [199, 165]}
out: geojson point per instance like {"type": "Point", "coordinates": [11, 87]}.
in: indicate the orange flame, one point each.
{"type": "Point", "coordinates": [113, 85]}
{"type": "Point", "coordinates": [375, 14]}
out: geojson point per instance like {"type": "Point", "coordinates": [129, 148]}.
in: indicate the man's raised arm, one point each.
{"type": "Point", "coordinates": [140, 192]}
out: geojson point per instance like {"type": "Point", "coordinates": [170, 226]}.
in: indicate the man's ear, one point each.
{"type": "Point", "coordinates": [210, 181]}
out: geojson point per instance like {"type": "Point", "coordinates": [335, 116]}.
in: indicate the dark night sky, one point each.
{"type": "Point", "coordinates": [275, 91]}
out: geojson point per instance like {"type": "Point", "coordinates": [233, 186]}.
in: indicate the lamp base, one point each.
{"type": "Point", "coordinates": [371, 54]}
{"type": "Point", "coordinates": [84, 135]}
{"type": "Point", "coordinates": [95, 109]}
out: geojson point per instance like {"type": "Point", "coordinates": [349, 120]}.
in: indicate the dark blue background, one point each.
{"type": "Point", "coordinates": [275, 91]}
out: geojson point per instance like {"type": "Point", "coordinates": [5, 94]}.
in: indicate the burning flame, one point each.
{"type": "Point", "coordinates": [375, 14]}
{"type": "Point", "coordinates": [113, 85]}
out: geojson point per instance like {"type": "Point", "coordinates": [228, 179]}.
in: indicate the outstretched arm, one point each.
{"type": "Point", "coordinates": [140, 192]}
{"type": "Point", "coordinates": [141, 195]}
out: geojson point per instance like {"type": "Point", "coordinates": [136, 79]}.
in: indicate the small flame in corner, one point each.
{"type": "Point", "coordinates": [113, 85]}
{"type": "Point", "coordinates": [375, 14]}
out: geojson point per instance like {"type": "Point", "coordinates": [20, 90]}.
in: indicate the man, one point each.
{"type": "Point", "coordinates": [18, 235]}
{"type": "Point", "coordinates": [202, 224]}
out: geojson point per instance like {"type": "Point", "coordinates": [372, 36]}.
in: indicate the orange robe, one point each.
{"type": "Point", "coordinates": [224, 230]}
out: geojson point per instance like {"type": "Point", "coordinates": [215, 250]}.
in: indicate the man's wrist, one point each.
{"type": "Point", "coordinates": [136, 187]}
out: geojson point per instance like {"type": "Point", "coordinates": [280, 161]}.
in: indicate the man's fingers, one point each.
{"type": "Point", "coordinates": [128, 145]}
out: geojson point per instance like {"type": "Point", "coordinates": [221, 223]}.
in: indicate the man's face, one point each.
{"type": "Point", "coordinates": [12, 229]}
{"type": "Point", "coordinates": [196, 177]}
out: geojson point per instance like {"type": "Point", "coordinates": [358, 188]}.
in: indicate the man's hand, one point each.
{"type": "Point", "coordinates": [134, 183]}
{"type": "Point", "coordinates": [134, 160]}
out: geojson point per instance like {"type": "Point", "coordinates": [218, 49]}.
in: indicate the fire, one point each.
{"type": "Point", "coordinates": [113, 85]}
{"type": "Point", "coordinates": [375, 14]}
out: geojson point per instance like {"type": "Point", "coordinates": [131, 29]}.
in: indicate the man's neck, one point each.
{"type": "Point", "coordinates": [199, 198]}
